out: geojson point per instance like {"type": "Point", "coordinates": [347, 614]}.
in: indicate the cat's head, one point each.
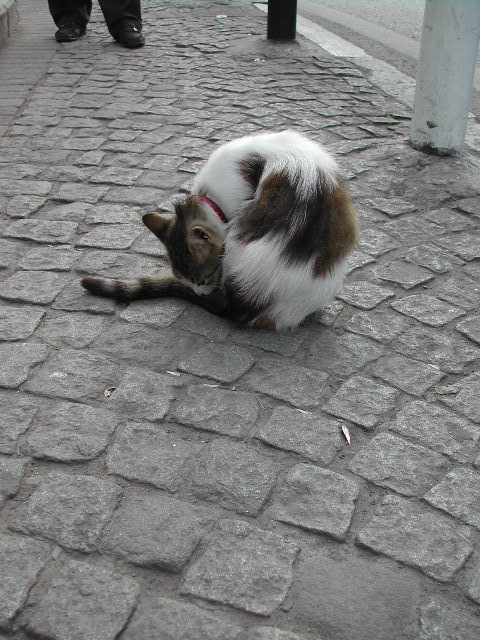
{"type": "Point", "coordinates": [194, 244]}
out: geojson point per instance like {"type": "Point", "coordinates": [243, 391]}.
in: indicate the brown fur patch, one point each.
{"type": "Point", "coordinates": [251, 170]}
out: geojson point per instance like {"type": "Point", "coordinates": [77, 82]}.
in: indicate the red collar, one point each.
{"type": "Point", "coordinates": [213, 205]}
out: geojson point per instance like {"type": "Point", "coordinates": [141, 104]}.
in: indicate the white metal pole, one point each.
{"type": "Point", "coordinates": [448, 53]}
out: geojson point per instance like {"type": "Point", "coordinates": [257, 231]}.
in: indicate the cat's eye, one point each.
{"type": "Point", "coordinates": [200, 234]}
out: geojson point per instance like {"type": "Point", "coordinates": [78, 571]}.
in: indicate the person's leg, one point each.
{"type": "Point", "coordinates": [116, 11]}
{"type": "Point", "coordinates": [71, 18]}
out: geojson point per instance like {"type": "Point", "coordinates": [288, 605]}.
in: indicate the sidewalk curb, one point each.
{"type": "Point", "coordinates": [8, 19]}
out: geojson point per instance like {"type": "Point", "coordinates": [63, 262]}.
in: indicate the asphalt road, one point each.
{"type": "Point", "coordinates": [386, 29]}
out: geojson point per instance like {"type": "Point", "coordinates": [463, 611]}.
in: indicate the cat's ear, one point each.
{"type": "Point", "coordinates": [158, 224]}
{"type": "Point", "coordinates": [203, 240]}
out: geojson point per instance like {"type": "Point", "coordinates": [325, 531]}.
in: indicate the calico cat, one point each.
{"type": "Point", "coordinates": [263, 239]}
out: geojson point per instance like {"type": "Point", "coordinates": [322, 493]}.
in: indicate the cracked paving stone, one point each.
{"type": "Point", "coordinates": [36, 287]}
{"type": "Point", "coordinates": [143, 394]}
{"type": "Point", "coordinates": [382, 325]}
{"type": "Point", "coordinates": [70, 510]}
{"type": "Point", "coordinates": [364, 295]}
{"type": "Point", "coordinates": [111, 236]}
{"type": "Point", "coordinates": [84, 601]}
{"type": "Point", "coordinates": [155, 313]}
{"type": "Point", "coordinates": [243, 566]}
{"type": "Point", "coordinates": [392, 462]}
{"type": "Point", "coordinates": [461, 290]}
{"type": "Point", "coordinates": [313, 436]}
{"type": "Point", "coordinates": [464, 244]}
{"type": "Point", "coordinates": [70, 432]}
{"type": "Point", "coordinates": [234, 475]}
{"type": "Point", "coordinates": [57, 258]}
{"type": "Point", "coordinates": [232, 413]}
{"type": "Point", "coordinates": [433, 258]}
{"type": "Point", "coordinates": [465, 397]}
{"type": "Point", "coordinates": [443, 620]}
{"type": "Point", "coordinates": [75, 375]}
{"type": "Point", "coordinates": [439, 429]}
{"type": "Point", "coordinates": [158, 617]}
{"type": "Point", "coordinates": [76, 330]}
{"type": "Point", "coordinates": [154, 531]}
{"type": "Point", "coordinates": [17, 323]}
{"type": "Point", "coordinates": [341, 355]}
{"type": "Point", "coordinates": [145, 452]}
{"type": "Point", "coordinates": [21, 560]}
{"type": "Point", "coordinates": [409, 375]}
{"type": "Point", "coordinates": [427, 309]}
{"type": "Point", "coordinates": [449, 352]}
{"type": "Point", "coordinates": [17, 359]}
{"type": "Point", "coordinates": [11, 474]}
{"type": "Point", "coordinates": [18, 411]}
{"type": "Point", "coordinates": [224, 363]}
{"type": "Point", "coordinates": [425, 540]}
{"type": "Point", "coordinates": [302, 387]}
{"type": "Point", "coordinates": [49, 231]}
{"type": "Point", "coordinates": [316, 500]}
{"type": "Point", "coordinates": [458, 493]}
{"type": "Point", "coordinates": [470, 327]}
{"type": "Point", "coordinates": [362, 401]}
{"type": "Point", "coordinates": [404, 274]}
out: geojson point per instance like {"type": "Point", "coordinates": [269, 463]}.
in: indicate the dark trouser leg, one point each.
{"type": "Point", "coordinates": [70, 11]}
{"type": "Point", "coordinates": [115, 11]}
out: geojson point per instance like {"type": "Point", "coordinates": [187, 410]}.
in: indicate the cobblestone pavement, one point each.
{"type": "Point", "coordinates": [165, 474]}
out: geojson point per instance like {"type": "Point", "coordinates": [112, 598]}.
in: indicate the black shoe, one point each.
{"type": "Point", "coordinates": [69, 31]}
{"type": "Point", "coordinates": [129, 35]}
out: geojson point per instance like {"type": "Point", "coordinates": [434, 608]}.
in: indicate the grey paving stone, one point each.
{"type": "Point", "coordinates": [70, 510]}
{"type": "Point", "coordinates": [113, 213]}
{"type": "Point", "coordinates": [232, 413]}
{"type": "Point", "coordinates": [408, 230]}
{"type": "Point", "coordinates": [427, 309]}
{"type": "Point", "coordinates": [11, 474]}
{"type": "Point", "coordinates": [143, 394]}
{"type": "Point", "coordinates": [465, 397]}
{"type": "Point", "coordinates": [463, 244]}
{"type": "Point", "coordinates": [224, 363]}
{"type": "Point", "coordinates": [10, 251]}
{"type": "Point", "coordinates": [149, 453]}
{"type": "Point", "coordinates": [243, 566]}
{"type": "Point", "coordinates": [154, 531]}
{"type": "Point", "coordinates": [409, 375]}
{"type": "Point", "coordinates": [458, 493]}
{"type": "Point", "coordinates": [392, 208]}
{"type": "Point", "coordinates": [17, 323]}
{"type": "Point", "coordinates": [135, 195]}
{"type": "Point", "coordinates": [25, 187]}
{"type": "Point", "coordinates": [382, 325]}
{"type": "Point", "coordinates": [285, 344]}
{"type": "Point", "coordinates": [197, 320]}
{"type": "Point", "coordinates": [422, 539]}
{"type": "Point", "coordinates": [473, 590]}
{"type": "Point", "coordinates": [21, 206]}
{"type": "Point", "coordinates": [52, 232]}
{"type": "Point", "coordinates": [155, 313]}
{"type": "Point", "coordinates": [17, 360]}
{"type": "Point", "coordinates": [111, 236]}
{"type": "Point", "coordinates": [376, 242]}
{"type": "Point", "coordinates": [76, 330]}
{"type": "Point", "coordinates": [57, 258]}
{"type": "Point", "coordinates": [404, 274]}
{"type": "Point", "coordinates": [18, 411]}
{"type": "Point", "coordinates": [362, 401]}
{"type": "Point", "coordinates": [357, 260]}
{"type": "Point", "coordinates": [449, 352]}
{"type": "Point", "coordinates": [462, 291]}
{"type": "Point", "coordinates": [269, 633]}
{"type": "Point", "coordinates": [113, 264]}
{"type": "Point", "coordinates": [394, 463]}
{"type": "Point", "coordinates": [470, 327]}
{"type": "Point", "coordinates": [433, 258]}
{"type": "Point", "coordinates": [449, 219]}
{"type": "Point", "coordinates": [75, 298]}
{"type": "Point", "coordinates": [21, 560]}
{"type": "Point", "coordinates": [158, 617]}
{"type": "Point", "coordinates": [36, 287]}
{"type": "Point", "coordinates": [74, 212]}
{"type": "Point", "coordinates": [84, 601]}
{"type": "Point", "coordinates": [70, 432]}
{"type": "Point", "coordinates": [71, 192]}
{"type": "Point", "coordinates": [439, 429]}
{"type": "Point", "coordinates": [234, 475]}
{"type": "Point", "coordinates": [443, 620]}
{"type": "Point", "coordinates": [354, 597]}
{"type": "Point", "coordinates": [302, 387]}
{"type": "Point", "coordinates": [116, 175]}
{"type": "Point", "coordinates": [75, 375]}
{"type": "Point", "coordinates": [316, 500]}
{"type": "Point", "coordinates": [313, 436]}
{"type": "Point", "coordinates": [341, 355]}
{"type": "Point", "coordinates": [364, 295]}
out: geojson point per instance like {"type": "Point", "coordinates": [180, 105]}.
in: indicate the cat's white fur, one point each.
{"type": "Point", "coordinates": [258, 267]}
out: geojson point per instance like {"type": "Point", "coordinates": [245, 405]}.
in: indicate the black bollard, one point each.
{"type": "Point", "coordinates": [282, 19]}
